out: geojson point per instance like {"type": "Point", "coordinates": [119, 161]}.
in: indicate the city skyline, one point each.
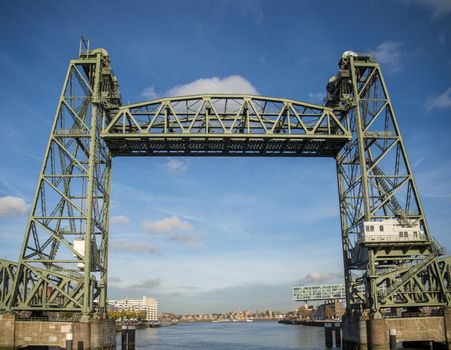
{"type": "Point", "coordinates": [223, 233]}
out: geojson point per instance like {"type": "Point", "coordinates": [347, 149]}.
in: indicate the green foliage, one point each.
{"type": "Point", "coordinates": [127, 314]}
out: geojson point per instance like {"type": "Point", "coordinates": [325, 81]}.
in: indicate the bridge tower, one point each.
{"type": "Point", "coordinates": [63, 262]}
{"type": "Point", "coordinates": [397, 270]}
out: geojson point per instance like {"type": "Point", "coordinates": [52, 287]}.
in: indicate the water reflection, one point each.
{"type": "Point", "coordinates": [228, 336]}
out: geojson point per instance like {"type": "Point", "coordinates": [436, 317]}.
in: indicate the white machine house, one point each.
{"type": "Point", "coordinates": [390, 230]}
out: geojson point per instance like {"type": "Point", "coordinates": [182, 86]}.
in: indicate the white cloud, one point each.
{"type": "Point", "coordinates": [390, 55]}
{"type": "Point", "coordinates": [177, 165]}
{"type": "Point", "coordinates": [231, 84]}
{"type": "Point", "coordinates": [124, 246]}
{"type": "Point", "coordinates": [172, 223]}
{"type": "Point", "coordinates": [439, 7]}
{"type": "Point", "coordinates": [318, 277]}
{"type": "Point", "coordinates": [419, 161]}
{"type": "Point", "coordinates": [186, 239]}
{"type": "Point", "coordinates": [316, 96]}
{"type": "Point", "coordinates": [251, 9]}
{"type": "Point", "coordinates": [12, 206]}
{"type": "Point", "coordinates": [119, 220]}
{"type": "Point", "coordinates": [442, 39]}
{"type": "Point", "coordinates": [440, 101]}
{"type": "Point", "coordinates": [146, 284]}
{"type": "Point", "coordinates": [113, 279]}
{"type": "Point", "coordinates": [149, 93]}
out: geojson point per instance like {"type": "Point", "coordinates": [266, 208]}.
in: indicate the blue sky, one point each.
{"type": "Point", "coordinates": [223, 233]}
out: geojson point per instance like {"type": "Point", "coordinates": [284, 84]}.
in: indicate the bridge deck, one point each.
{"type": "Point", "coordinates": [225, 125]}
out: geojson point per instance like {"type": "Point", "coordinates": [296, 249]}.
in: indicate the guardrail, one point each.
{"type": "Point", "coordinates": [391, 238]}
{"type": "Point", "coordinates": [46, 319]}
{"type": "Point", "coordinates": [433, 313]}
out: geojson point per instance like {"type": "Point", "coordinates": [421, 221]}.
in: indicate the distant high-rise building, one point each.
{"type": "Point", "coordinates": [149, 305]}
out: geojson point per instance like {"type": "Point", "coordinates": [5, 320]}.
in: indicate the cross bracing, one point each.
{"type": "Point", "coordinates": [63, 263]}
{"type": "Point", "coordinates": [225, 125]}
{"type": "Point", "coordinates": [319, 292]}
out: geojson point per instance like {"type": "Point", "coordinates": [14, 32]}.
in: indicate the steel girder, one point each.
{"type": "Point", "coordinates": [50, 289]}
{"type": "Point", "coordinates": [375, 182]}
{"type": "Point", "coordinates": [225, 125]}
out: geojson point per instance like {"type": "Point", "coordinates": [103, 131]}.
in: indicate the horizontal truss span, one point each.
{"type": "Point", "coordinates": [321, 292]}
{"type": "Point", "coordinates": [225, 125]}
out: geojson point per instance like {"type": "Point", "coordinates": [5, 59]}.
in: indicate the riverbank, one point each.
{"type": "Point", "coordinates": [229, 321]}
{"type": "Point", "coordinates": [143, 325]}
{"type": "Point", "coordinates": [310, 323]}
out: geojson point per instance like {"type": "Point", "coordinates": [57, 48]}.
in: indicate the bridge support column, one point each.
{"type": "Point", "coordinates": [328, 335]}
{"type": "Point", "coordinates": [363, 334]}
{"type": "Point", "coordinates": [93, 335]}
{"type": "Point", "coordinates": [448, 326]}
{"type": "Point", "coordinates": [377, 334]}
{"type": "Point", "coordinates": [354, 333]}
{"type": "Point", "coordinates": [7, 330]}
{"type": "Point", "coordinates": [337, 327]}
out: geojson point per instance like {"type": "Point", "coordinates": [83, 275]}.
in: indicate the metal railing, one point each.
{"type": "Point", "coordinates": [391, 238]}
{"type": "Point", "coordinates": [47, 319]}
{"type": "Point", "coordinates": [433, 313]}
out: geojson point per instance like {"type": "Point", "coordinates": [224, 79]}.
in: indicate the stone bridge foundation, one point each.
{"type": "Point", "coordinates": [364, 334]}
{"type": "Point", "coordinates": [97, 334]}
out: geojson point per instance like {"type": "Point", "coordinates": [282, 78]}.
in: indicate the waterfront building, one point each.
{"type": "Point", "coordinates": [330, 310]}
{"type": "Point", "coordinates": [149, 305]}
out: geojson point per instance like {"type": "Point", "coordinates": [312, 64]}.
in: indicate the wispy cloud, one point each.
{"type": "Point", "coordinates": [193, 240]}
{"type": "Point", "coordinates": [436, 181]}
{"type": "Point", "coordinates": [177, 165]}
{"type": "Point", "coordinates": [146, 284]}
{"type": "Point", "coordinates": [419, 161]}
{"type": "Point", "coordinates": [119, 220]}
{"type": "Point", "coordinates": [438, 8]}
{"type": "Point", "coordinates": [442, 39]}
{"type": "Point", "coordinates": [318, 212]}
{"type": "Point", "coordinates": [149, 93]}
{"type": "Point", "coordinates": [390, 55]}
{"type": "Point", "coordinates": [188, 287]}
{"type": "Point", "coordinates": [113, 279]}
{"type": "Point", "coordinates": [169, 224]}
{"type": "Point", "coordinates": [316, 97]}
{"type": "Point", "coordinates": [251, 9]}
{"type": "Point", "coordinates": [440, 101]}
{"type": "Point", "coordinates": [124, 246]}
{"type": "Point", "coordinates": [12, 206]}
{"type": "Point", "coordinates": [318, 277]}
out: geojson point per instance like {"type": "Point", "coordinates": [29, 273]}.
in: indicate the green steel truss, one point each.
{"type": "Point", "coordinates": [71, 201]}
{"type": "Point", "coordinates": [375, 182]}
{"type": "Point", "coordinates": [356, 126]}
{"type": "Point", "coordinates": [230, 125]}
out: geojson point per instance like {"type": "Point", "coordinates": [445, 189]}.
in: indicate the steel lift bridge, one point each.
{"type": "Point", "coordinates": [356, 126]}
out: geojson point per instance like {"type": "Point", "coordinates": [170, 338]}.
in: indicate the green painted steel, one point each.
{"type": "Point", "coordinates": [376, 183]}
{"type": "Point", "coordinates": [71, 202]}
{"type": "Point", "coordinates": [225, 125]}
{"type": "Point", "coordinates": [63, 262]}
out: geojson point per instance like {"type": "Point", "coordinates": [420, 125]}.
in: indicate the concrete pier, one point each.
{"type": "Point", "coordinates": [360, 333]}
{"type": "Point", "coordinates": [97, 334]}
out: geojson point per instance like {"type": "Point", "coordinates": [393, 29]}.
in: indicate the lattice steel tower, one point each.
{"type": "Point", "coordinates": [390, 257]}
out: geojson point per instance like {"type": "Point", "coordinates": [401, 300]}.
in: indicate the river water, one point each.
{"type": "Point", "coordinates": [230, 336]}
